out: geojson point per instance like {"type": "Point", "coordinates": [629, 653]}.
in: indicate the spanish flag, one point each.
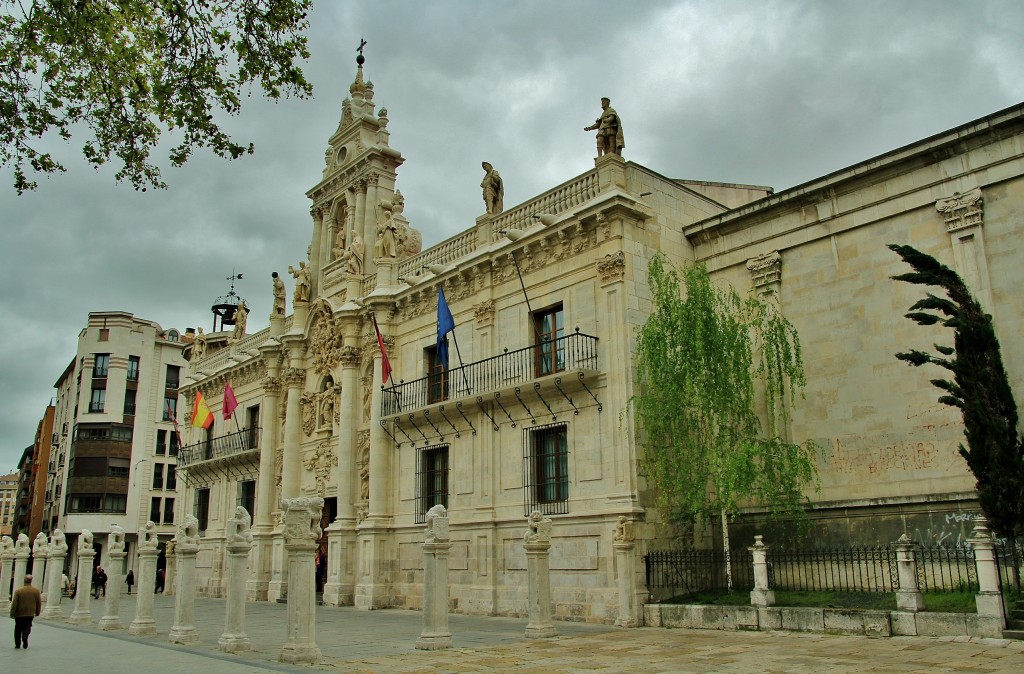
{"type": "Point", "coordinates": [202, 417]}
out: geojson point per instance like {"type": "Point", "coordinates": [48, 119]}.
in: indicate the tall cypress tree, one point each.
{"type": "Point", "coordinates": [979, 387]}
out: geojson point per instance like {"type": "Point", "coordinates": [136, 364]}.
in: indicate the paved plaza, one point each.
{"type": "Point", "coordinates": [383, 641]}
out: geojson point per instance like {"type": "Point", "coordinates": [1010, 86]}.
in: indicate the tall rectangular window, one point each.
{"type": "Point", "coordinates": [173, 377]}
{"type": "Point", "coordinates": [201, 508]}
{"type": "Point", "coordinates": [437, 377]}
{"type": "Point", "coordinates": [548, 330]}
{"type": "Point", "coordinates": [154, 510]}
{"type": "Point", "coordinates": [174, 445]}
{"type": "Point", "coordinates": [547, 469]}
{"type": "Point", "coordinates": [97, 400]}
{"type": "Point", "coordinates": [129, 402]}
{"type": "Point", "coordinates": [168, 511]}
{"type": "Point", "coordinates": [431, 480]}
{"type": "Point", "coordinates": [158, 476]}
{"type": "Point", "coordinates": [170, 408]}
{"type": "Point", "coordinates": [133, 368]}
{"type": "Point", "coordinates": [100, 364]}
{"type": "Point", "coordinates": [247, 495]}
{"type": "Point", "coordinates": [161, 442]}
{"type": "Point", "coordinates": [172, 480]}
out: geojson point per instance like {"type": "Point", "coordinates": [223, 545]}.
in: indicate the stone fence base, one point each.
{"type": "Point", "coordinates": [825, 620]}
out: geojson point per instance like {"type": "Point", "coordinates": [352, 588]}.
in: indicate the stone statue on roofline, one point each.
{"type": "Point", "coordinates": [301, 282]}
{"type": "Point", "coordinates": [609, 130]}
{"type": "Point", "coordinates": [494, 190]}
{"type": "Point", "coordinates": [241, 318]}
{"type": "Point", "coordinates": [279, 294]}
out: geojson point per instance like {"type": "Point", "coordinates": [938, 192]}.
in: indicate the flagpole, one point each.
{"type": "Point", "coordinates": [461, 368]}
{"type": "Point", "coordinates": [522, 285]}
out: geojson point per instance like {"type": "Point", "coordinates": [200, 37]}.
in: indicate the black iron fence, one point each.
{"type": "Point", "coordinates": [852, 569]}
{"type": "Point", "coordinates": [571, 352]}
{"type": "Point", "coordinates": [218, 448]}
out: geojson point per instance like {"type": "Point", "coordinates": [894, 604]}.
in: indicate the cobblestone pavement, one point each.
{"type": "Point", "coordinates": [383, 641]}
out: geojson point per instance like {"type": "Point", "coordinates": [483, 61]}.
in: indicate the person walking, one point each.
{"type": "Point", "coordinates": [159, 581]}
{"type": "Point", "coordinates": [96, 583]}
{"type": "Point", "coordinates": [130, 580]}
{"type": "Point", "coordinates": [103, 583]}
{"type": "Point", "coordinates": [26, 603]}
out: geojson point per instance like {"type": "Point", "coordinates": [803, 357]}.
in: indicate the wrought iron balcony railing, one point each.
{"type": "Point", "coordinates": [244, 440]}
{"type": "Point", "coordinates": [575, 351]}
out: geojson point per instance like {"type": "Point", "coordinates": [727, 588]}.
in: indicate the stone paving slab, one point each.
{"type": "Point", "coordinates": [383, 641]}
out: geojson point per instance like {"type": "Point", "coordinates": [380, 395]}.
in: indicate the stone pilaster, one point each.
{"type": "Point", "coordinates": [436, 548]}
{"type": "Point", "coordinates": [537, 543]}
{"type": "Point", "coordinates": [54, 586]}
{"type": "Point", "coordinates": [762, 595]}
{"type": "Point", "coordinates": [625, 562]}
{"type": "Point", "coordinates": [186, 547]}
{"type": "Point", "coordinates": [964, 215]}
{"type": "Point", "coordinates": [369, 225]}
{"type": "Point", "coordinates": [766, 273]}
{"type": "Point", "coordinates": [6, 571]}
{"type": "Point", "coordinates": [908, 596]}
{"type": "Point", "coordinates": [316, 250]}
{"type": "Point", "coordinates": [340, 534]}
{"type": "Point", "coordinates": [82, 615]}
{"type": "Point", "coordinates": [263, 525]}
{"type": "Point", "coordinates": [301, 532]}
{"type": "Point", "coordinates": [291, 478]}
{"type": "Point", "coordinates": [239, 544]}
{"type": "Point", "coordinates": [143, 625]}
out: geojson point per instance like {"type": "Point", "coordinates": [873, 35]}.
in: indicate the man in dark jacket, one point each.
{"type": "Point", "coordinates": [26, 603]}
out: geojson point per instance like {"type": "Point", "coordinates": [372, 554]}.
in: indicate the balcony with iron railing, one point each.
{"type": "Point", "coordinates": [226, 446]}
{"type": "Point", "coordinates": [573, 353]}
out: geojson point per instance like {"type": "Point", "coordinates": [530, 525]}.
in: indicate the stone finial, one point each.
{"type": "Point", "coordinates": [904, 539]}
{"type": "Point", "coordinates": [981, 531]}
{"type": "Point", "coordinates": [40, 546]}
{"type": "Point", "coordinates": [58, 543]}
{"type": "Point", "coordinates": [623, 530]}
{"type": "Point", "coordinates": [437, 525]}
{"type": "Point", "coordinates": [538, 528]}
{"type": "Point", "coordinates": [188, 532]}
{"type": "Point", "coordinates": [150, 541]}
{"type": "Point", "coordinates": [116, 538]}
{"type": "Point", "coordinates": [85, 541]}
{"type": "Point", "coordinates": [21, 545]}
{"type": "Point", "coordinates": [239, 527]}
{"type": "Point", "coordinates": [302, 518]}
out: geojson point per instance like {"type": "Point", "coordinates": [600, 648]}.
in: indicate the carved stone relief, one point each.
{"type": "Point", "coordinates": [612, 267]}
{"type": "Point", "coordinates": [766, 272]}
{"type": "Point", "coordinates": [324, 340]}
{"type": "Point", "coordinates": [320, 464]}
{"type": "Point", "coordinates": [483, 313]}
{"type": "Point", "coordinates": [961, 210]}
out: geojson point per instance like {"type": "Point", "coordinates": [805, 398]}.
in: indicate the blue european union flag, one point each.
{"type": "Point", "coordinates": [445, 324]}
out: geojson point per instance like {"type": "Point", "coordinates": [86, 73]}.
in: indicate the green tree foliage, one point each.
{"type": "Point", "coordinates": [979, 388]}
{"type": "Point", "coordinates": [700, 358]}
{"type": "Point", "coordinates": [124, 71]}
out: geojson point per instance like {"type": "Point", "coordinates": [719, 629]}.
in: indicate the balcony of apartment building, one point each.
{"type": "Point", "coordinates": [221, 454]}
{"type": "Point", "coordinates": [535, 384]}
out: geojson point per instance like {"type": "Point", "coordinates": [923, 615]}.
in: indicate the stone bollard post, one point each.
{"type": "Point", "coordinates": [436, 547]}
{"type": "Point", "coordinates": [170, 570]}
{"type": "Point", "coordinates": [186, 547]}
{"type": "Point", "coordinates": [537, 542]}
{"type": "Point", "coordinates": [625, 562]}
{"type": "Point", "coordinates": [989, 598]}
{"type": "Point", "coordinates": [40, 550]}
{"type": "Point", "coordinates": [908, 597]}
{"type": "Point", "coordinates": [111, 619]}
{"type": "Point", "coordinates": [239, 543]}
{"type": "Point", "coordinates": [149, 549]}
{"type": "Point", "coordinates": [301, 533]}
{"type": "Point", "coordinates": [21, 554]}
{"type": "Point", "coordinates": [761, 595]}
{"type": "Point", "coordinates": [6, 571]}
{"type": "Point", "coordinates": [82, 615]}
{"type": "Point", "coordinates": [55, 585]}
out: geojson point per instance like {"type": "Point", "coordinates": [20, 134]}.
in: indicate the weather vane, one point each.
{"type": "Point", "coordinates": [234, 277]}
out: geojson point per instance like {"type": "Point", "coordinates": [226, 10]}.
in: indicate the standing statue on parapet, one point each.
{"type": "Point", "coordinates": [241, 318]}
{"type": "Point", "coordinates": [301, 282]}
{"type": "Point", "coordinates": [494, 190]}
{"type": "Point", "coordinates": [199, 344]}
{"type": "Point", "coordinates": [353, 255]}
{"type": "Point", "coordinates": [387, 232]}
{"type": "Point", "coordinates": [609, 130]}
{"type": "Point", "coordinates": [279, 294]}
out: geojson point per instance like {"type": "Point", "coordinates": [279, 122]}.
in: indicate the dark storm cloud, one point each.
{"type": "Point", "coordinates": [770, 93]}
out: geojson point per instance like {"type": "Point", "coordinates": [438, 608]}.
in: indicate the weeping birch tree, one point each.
{"type": "Point", "coordinates": [707, 360]}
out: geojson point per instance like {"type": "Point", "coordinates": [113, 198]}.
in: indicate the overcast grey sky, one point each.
{"type": "Point", "coordinates": [767, 93]}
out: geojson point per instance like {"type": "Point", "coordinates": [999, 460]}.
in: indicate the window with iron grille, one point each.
{"type": "Point", "coordinates": [546, 469]}
{"type": "Point", "coordinates": [431, 479]}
